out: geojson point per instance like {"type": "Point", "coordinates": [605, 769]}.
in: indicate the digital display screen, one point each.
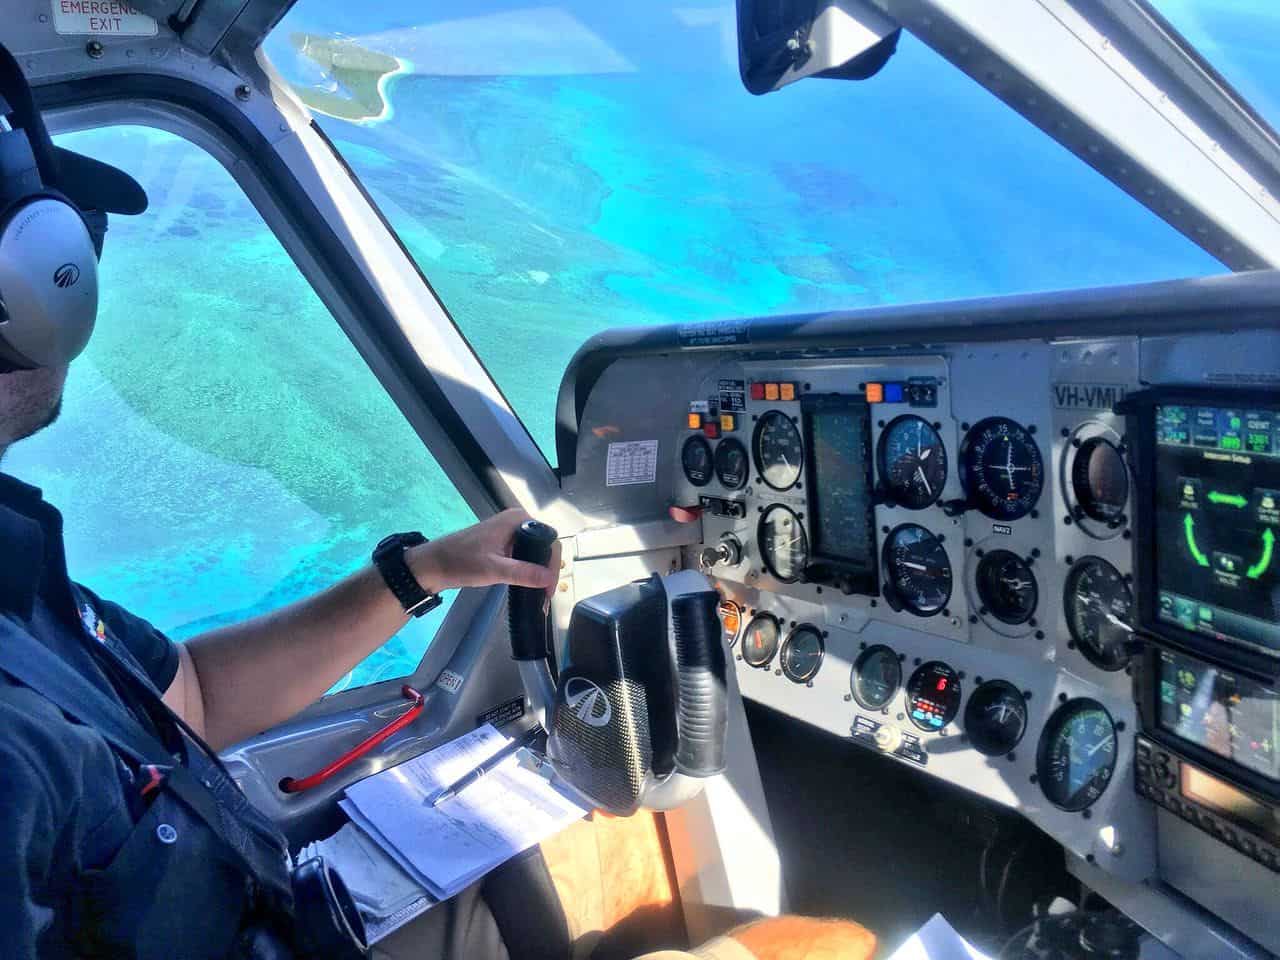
{"type": "Point", "coordinates": [1225, 799]}
{"type": "Point", "coordinates": [843, 527]}
{"type": "Point", "coordinates": [1217, 514]}
{"type": "Point", "coordinates": [1232, 716]}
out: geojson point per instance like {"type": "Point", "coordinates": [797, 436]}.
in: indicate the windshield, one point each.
{"type": "Point", "coordinates": [559, 170]}
{"type": "Point", "coordinates": [1239, 38]}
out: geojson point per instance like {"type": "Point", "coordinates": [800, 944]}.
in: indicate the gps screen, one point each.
{"type": "Point", "coordinates": [839, 441]}
{"type": "Point", "coordinates": [1215, 709]}
{"type": "Point", "coordinates": [1217, 521]}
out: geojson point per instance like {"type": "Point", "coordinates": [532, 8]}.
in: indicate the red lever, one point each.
{"type": "Point", "coordinates": [290, 785]}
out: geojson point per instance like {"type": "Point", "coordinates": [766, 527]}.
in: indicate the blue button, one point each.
{"type": "Point", "coordinates": [936, 721]}
{"type": "Point", "coordinates": [919, 715]}
{"type": "Point", "coordinates": [893, 393]}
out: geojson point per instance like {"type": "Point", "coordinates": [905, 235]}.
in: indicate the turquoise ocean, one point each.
{"type": "Point", "coordinates": [555, 172]}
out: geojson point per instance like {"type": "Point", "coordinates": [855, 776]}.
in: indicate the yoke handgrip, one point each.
{"type": "Point", "coordinates": [525, 617]}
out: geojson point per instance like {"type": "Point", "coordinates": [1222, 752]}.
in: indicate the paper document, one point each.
{"type": "Point", "coordinates": [387, 896]}
{"type": "Point", "coordinates": [937, 940]}
{"type": "Point", "coordinates": [445, 848]}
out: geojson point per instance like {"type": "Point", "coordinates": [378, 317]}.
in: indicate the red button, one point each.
{"type": "Point", "coordinates": [757, 391]}
{"type": "Point", "coordinates": [711, 429]}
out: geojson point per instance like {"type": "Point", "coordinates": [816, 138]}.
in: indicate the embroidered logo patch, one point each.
{"type": "Point", "coordinates": [93, 623]}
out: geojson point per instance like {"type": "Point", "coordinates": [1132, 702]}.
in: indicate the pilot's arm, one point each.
{"type": "Point", "coordinates": [236, 681]}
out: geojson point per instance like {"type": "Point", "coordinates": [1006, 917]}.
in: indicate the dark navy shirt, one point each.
{"type": "Point", "coordinates": [67, 801]}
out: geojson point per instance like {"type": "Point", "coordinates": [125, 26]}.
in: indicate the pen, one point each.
{"type": "Point", "coordinates": [471, 776]}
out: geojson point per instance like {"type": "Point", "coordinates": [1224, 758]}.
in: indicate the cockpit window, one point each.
{"type": "Point", "coordinates": [1239, 38]}
{"type": "Point", "coordinates": [559, 170]}
{"type": "Point", "coordinates": [223, 450]}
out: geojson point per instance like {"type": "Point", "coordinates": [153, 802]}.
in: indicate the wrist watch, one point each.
{"type": "Point", "coordinates": [388, 557]}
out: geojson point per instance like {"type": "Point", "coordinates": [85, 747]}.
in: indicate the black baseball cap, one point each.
{"type": "Point", "coordinates": [88, 183]}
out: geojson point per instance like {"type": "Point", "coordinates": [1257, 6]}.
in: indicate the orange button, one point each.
{"type": "Point", "coordinates": [771, 391]}
{"type": "Point", "coordinates": [727, 423]}
{"type": "Point", "coordinates": [786, 391]}
{"type": "Point", "coordinates": [875, 393]}
{"type": "Point", "coordinates": [695, 421]}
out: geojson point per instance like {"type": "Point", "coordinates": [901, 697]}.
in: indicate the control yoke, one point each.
{"type": "Point", "coordinates": [638, 715]}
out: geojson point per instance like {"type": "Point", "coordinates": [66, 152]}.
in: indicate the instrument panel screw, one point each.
{"type": "Point", "coordinates": [243, 92]}
{"type": "Point", "coordinates": [94, 49]}
{"type": "Point", "coordinates": [964, 426]}
{"type": "Point", "coordinates": [1127, 535]}
{"type": "Point", "coordinates": [1068, 559]}
{"type": "Point", "coordinates": [1011, 757]}
{"type": "Point", "coordinates": [968, 541]}
{"type": "Point", "coordinates": [1066, 432]}
{"type": "Point", "coordinates": [1035, 514]}
{"type": "Point", "coordinates": [973, 618]}
{"type": "Point", "coordinates": [1039, 634]}
{"type": "Point", "coordinates": [916, 661]}
{"type": "Point", "coordinates": [1035, 551]}
{"type": "Point", "coordinates": [1031, 428]}
{"type": "Point", "coordinates": [1087, 814]}
{"type": "Point", "coordinates": [848, 697]}
{"type": "Point", "coordinates": [1120, 726]}
{"type": "Point", "coordinates": [1062, 698]}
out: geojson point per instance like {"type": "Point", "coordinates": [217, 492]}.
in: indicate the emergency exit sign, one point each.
{"type": "Point", "coordinates": [110, 18]}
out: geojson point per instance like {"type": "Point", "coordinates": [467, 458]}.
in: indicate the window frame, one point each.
{"type": "Point", "coordinates": [490, 473]}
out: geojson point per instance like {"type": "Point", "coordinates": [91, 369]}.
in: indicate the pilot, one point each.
{"type": "Point", "coordinates": [123, 835]}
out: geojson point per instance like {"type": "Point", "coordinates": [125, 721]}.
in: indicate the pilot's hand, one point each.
{"type": "Point", "coordinates": [480, 555]}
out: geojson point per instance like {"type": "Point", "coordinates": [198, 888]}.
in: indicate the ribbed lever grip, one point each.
{"type": "Point", "coordinates": [525, 619]}
{"type": "Point", "coordinates": [702, 700]}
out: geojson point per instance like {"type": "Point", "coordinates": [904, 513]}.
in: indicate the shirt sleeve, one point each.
{"type": "Point", "coordinates": [156, 652]}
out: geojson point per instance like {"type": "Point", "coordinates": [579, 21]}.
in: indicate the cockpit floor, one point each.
{"type": "Point", "coordinates": [866, 838]}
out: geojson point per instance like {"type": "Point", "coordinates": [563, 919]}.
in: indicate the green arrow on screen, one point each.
{"type": "Point", "coordinates": [1229, 499]}
{"type": "Point", "coordinates": [1201, 559]}
{"type": "Point", "coordinates": [1259, 568]}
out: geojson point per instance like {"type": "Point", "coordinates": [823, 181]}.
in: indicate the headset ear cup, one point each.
{"type": "Point", "coordinates": [49, 281]}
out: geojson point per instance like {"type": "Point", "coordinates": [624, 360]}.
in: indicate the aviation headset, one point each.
{"type": "Point", "coordinates": [49, 248]}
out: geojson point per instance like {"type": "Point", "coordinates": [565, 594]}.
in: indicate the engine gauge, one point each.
{"type": "Point", "coordinates": [1001, 468]}
{"type": "Point", "coordinates": [779, 450]}
{"type": "Point", "coordinates": [730, 620]}
{"type": "Point", "coordinates": [802, 654]}
{"type": "Point", "coordinates": [913, 462]}
{"type": "Point", "coordinates": [877, 674]}
{"type": "Point", "coordinates": [1007, 587]}
{"type": "Point", "coordinates": [695, 457]}
{"type": "Point", "coordinates": [995, 718]}
{"type": "Point", "coordinates": [1100, 480]}
{"type": "Point", "coordinates": [784, 547]}
{"type": "Point", "coordinates": [1077, 754]}
{"type": "Point", "coordinates": [933, 695]}
{"type": "Point", "coordinates": [760, 641]}
{"type": "Point", "coordinates": [731, 464]}
{"type": "Point", "coordinates": [1098, 606]}
{"type": "Point", "coordinates": [917, 571]}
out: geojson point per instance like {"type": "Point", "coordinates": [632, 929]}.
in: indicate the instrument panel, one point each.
{"type": "Point", "coordinates": [932, 557]}
{"type": "Point", "coordinates": [994, 537]}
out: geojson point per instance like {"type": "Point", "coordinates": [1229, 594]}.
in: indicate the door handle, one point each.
{"type": "Point", "coordinates": [290, 785]}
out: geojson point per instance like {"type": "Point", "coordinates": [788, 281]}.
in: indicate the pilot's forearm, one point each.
{"type": "Point", "coordinates": [254, 675]}
{"type": "Point", "coordinates": [240, 680]}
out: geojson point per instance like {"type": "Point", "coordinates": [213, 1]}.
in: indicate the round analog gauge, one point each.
{"type": "Point", "coordinates": [913, 462]}
{"type": "Point", "coordinates": [779, 450]}
{"type": "Point", "coordinates": [1007, 587]}
{"type": "Point", "coordinates": [995, 718]}
{"type": "Point", "coordinates": [695, 457]}
{"type": "Point", "coordinates": [1099, 605]}
{"type": "Point", "coordinates": [730, 620]}
{"type": "Point", "coordinates": [802, 654]}
{"type": "Point", "coordinates": [731, 464]}
{"type": "Point", "coordinates": [783, 544]}
{"type": "Point", "coordinates": [917, 571]}
{"type": "Point", "coordinates": [933, 695]}
{"type": "Point", "coordinates": [1100, 480]}
{"type": "Point", "coordinates": [1001, 469]}
{"type": "Point", "coordinates": [1077, 754]}
{"type": "Point", "coordinates": [877, 674]}
{"type": "Point", "coordinates": [760, 642]}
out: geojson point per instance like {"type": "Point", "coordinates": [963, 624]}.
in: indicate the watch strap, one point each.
{"type": "Point", "coordinates": [388, 557]}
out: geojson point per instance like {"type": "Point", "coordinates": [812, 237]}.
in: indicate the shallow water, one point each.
{"type": "Point", "coordinates": [223, 448]}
